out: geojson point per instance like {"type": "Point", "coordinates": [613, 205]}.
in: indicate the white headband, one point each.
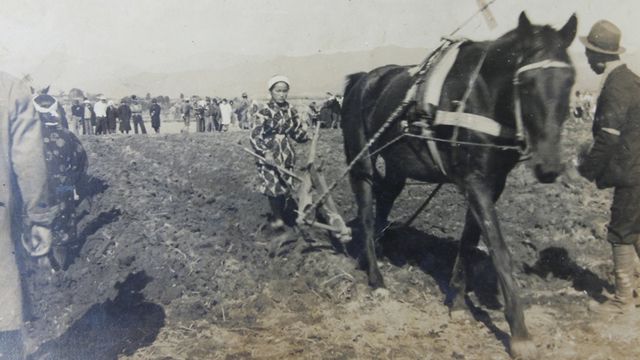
{"type": "Point", "coordinates": [51, 110]}
{"type": "Point", "coordinates": [276, 79]}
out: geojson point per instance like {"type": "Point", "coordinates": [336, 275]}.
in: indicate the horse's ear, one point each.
{"type": "Point", "coordinates": [568, 31]}
{"type": "Point", "coordinates": [524, 25]}
{"type": "Point", "coordinates": [33, 91]}
{"type": "Point", "coordinates": [46, 90]}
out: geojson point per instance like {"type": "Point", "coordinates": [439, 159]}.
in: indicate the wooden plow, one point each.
{"type": "Point", "coordinates": [313, 183]}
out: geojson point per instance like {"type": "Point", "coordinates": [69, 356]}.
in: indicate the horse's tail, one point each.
{"type": "Point", "coordinates": [351, 81]}
{"type": "Point", "coordinates": [351, 100]}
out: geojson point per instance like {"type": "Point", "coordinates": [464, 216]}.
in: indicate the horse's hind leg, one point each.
{"type": "Point", "coordinates": [386, 190]}
{"type": "Point", "coordinates": [462, 268]}
{"type": "Point", "coordinates": [361, 184]}
{"type": "Point", "coordinates": [483, 210]}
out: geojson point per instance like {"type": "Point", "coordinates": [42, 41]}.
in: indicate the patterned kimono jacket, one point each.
{"type": "Point", "coordinates": [66, 165]}
{"type": "Point", "coordinates": [277, 123]}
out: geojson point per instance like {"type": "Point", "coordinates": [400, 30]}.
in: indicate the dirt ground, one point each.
{"type": "Point", "coordinates": [174, 264]}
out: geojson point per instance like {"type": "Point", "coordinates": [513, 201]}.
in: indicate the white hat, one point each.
{"type": "Point", "coordinates": [276, 79]}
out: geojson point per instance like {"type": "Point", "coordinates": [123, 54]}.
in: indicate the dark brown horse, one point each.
{"type": "Point", "coordinates": [522, 81]}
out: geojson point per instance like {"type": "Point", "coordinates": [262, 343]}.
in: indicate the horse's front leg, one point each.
{"type": "Point", "coordinates": [483, 209]}
{"type": "Point", "coordinates": [463, 267]}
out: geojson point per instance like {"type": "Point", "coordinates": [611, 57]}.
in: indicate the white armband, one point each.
{"type": "Point", "coordinates": [611, 131]}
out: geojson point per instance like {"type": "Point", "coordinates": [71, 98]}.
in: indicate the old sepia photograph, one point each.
{"type": "Point", "coordinates": [305, 179]}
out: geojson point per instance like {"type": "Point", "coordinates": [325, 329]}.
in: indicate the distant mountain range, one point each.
{"type": "Point", "coordinates": [311, 75]}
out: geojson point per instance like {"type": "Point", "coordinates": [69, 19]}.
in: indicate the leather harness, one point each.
{"type": "Point", "coordinates": [427, 89]}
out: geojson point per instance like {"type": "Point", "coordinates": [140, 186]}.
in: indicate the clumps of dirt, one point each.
{"type": "Point", "coordinates": [183, 209]}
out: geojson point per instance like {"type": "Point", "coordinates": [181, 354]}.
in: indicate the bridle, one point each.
{"type": "Point", "coordinates": [540, 65]}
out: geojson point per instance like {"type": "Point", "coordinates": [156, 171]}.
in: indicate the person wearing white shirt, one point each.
{"type": "Point", "coordinates": [225, 112]}
{"type": "Point", "coordinates": [100, 109]}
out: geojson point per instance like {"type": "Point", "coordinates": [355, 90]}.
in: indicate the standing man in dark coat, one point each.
{"type": "Point", "coordinates": [124, 114]}
{"type": "Point", "coordinates": [614, 159]}
{"type": "Point", "coordinates": [242, 111]}
{"type": "Point", "coordinates": [215, 115]}
{"type": "Point", "coordinates": [77, 115]}
{"type": "Point", "coordinates": [154, 112]}
{"type": "Point", "coordinates": [199, 111]}
{"type": "Point", "coordinates": [112, 117]}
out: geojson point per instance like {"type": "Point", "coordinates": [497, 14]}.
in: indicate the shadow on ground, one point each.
{"type": "Point", "coordinates": [557, 262]}
{"type": "Point", "coordinates": [435, 256]}
{"type": "Point", "coordinates": [116, 327]}
{"type": "Point", "coordinates": [104, 218]}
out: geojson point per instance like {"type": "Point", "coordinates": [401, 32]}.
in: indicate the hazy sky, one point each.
{"type": "Point", "coordinates": [102, 36]}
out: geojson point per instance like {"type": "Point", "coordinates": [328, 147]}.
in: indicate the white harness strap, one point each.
{"type": "Point", "coordinates": [438, 73]}
{"type": "Point", "coordinates": [473, 122]}
{"type": "Point", "coordinates": [611, 131]}
{"type": "Point", "coordinates": [434, 80]}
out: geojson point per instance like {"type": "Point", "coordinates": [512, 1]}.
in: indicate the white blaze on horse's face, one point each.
{"type": "Point", "coordinates": [542, 90]}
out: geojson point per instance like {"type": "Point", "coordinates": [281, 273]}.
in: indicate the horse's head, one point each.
{"type": "Point", "coordinates": [542, 86]}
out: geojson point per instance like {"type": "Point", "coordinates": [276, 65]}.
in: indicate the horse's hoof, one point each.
{"type": "Point", "coordinates": [381, 294]}
{"type": "Point", "coordinates": [460, 315]}
{"type": "Point", "coordinates": [455, 300]}
{"type": "Point", "coordinates": [523, 350]}
{"type": "Point", "coordinates": [375, 280]}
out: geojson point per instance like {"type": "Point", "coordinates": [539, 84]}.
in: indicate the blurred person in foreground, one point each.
{"type": "Point", "coordinates": [278, 124]}
{"type": "Point", "coordinates": [614, 159]}
{"type": "Point", "coordinates": [26, 211]}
